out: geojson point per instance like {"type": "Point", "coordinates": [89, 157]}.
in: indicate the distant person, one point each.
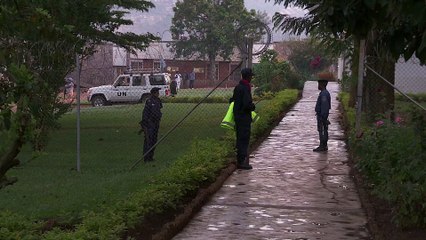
{"type": "Point", "coordinates": [173, 87]}
{"type": "Point", "coordinates": [150, 124]}
{"type": "Point", "coordinates": [69, 88]}
{"type": "Point", "coordinates": [322, 109]}
{"type": "Point", "coordinates": [243, 106]}
{"type": "Point", "coordinates": [178, 78]}
{"type": "Point", "coordinates": [191, 78]}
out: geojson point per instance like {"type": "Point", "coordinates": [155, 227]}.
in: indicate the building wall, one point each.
{"type": "Point", "coordinates": [202, 72]}
{"type": "Point", "coordinates": [104, 66]}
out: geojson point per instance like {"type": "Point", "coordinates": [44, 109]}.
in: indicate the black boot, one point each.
{"type": "Point", "coordinates": [244, 165]}
{"type": "Point", "coordinates": [322, 147]}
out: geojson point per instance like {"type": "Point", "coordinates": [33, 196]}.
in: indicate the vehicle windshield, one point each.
{"type": "Point", "coordinates": [123, 81]}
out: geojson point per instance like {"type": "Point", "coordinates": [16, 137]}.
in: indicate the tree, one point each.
{"type": "Point", "coordinates": [402, 24]}
{"type": "Point", "coordinates": [392, 28]}
{"type": "Point", "coordinates": [273, 75]}
{"type": "Point", "coordinates": [39, 41]}
{"type": "Point", "coordinates": [309, 57]}
{"type": "Point", "coordinates": [206, 29]}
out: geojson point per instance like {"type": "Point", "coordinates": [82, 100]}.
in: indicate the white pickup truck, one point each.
{"type": "Point", "coordinates": [128, 88]}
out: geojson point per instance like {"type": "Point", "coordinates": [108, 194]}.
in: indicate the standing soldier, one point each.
{"type": "Point", "coordinates": [150, 123]}
{"type": "Point", "coordinates": [322, 109]}
{"type": "Point", "coordinates": [191, 78]}
{"type": "Point", "coordinates": [173, 87]}
{"type": "Point", "coordinates": [69, 88]}
{"type": "Point", "coordinates": [243, 106]}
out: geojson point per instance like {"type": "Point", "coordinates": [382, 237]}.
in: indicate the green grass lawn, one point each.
{"type": "Point", "coordinates": [49, 185]}
{"type": "Point", "coordinates": [403, 108]}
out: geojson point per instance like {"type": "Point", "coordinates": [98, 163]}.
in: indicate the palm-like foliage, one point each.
{"type": "Point", "coordinates": [400, 25]}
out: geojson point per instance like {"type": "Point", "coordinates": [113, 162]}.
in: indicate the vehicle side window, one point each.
{"type": "Point", "coordinates": [123, 81]}
{"type": "Point", "coordinates": [137, 81]}
{"type": "Point", "coordinates": [157, 80]}
{"type": "Point", "coordinates": [119, 81]}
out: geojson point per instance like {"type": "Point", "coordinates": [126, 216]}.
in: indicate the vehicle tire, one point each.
{"type": "Point", "coordinates": [98, 101]}
{"type": "Point", "coordinates": [144, 97]}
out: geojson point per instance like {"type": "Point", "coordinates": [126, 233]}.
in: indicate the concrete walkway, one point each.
{"type": "Point", "coordinates": [292, 192]}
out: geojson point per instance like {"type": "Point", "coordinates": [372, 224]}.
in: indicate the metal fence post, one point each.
{"type": "Point", "coordinates": [360, 86]}
{"type": "Point", "coordinates": [77, 61]}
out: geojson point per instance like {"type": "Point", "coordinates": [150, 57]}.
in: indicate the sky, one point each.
{"type": "Point", "coordinates": [271, 9]}
{"type": "Point", "coordinates": [158, 20]}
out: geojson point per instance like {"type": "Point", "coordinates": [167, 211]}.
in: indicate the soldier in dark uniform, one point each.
{"type": "Point", "coordinates": [173, 87]}
{"type": "Point", "coordinates": [322, 109]}
{"type": "Point", "coordinates": [150, 123]}
{"type": "Point", "coordinates": [243, 106]}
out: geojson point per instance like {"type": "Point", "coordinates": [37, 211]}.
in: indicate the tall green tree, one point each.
{"type": "Point", "coordinates": [206, 29]}
{"type": "Point", "coordinates": [309, 57]}
{"type": "Point", "coordinates": [39, 41]}
{"type": "Point", "coordinates": [391, 27]}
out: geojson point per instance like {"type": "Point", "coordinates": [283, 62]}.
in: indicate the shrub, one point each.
{"type": "Point", "coordinates": [273, 75]}
{"type": "Point", "coordinates": [392, 157]}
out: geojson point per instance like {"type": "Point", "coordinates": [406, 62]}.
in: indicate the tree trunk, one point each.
{"type": "Point", "coordinates": [379, 97]}
{"type": "Point", "coordinates": [8, 160]}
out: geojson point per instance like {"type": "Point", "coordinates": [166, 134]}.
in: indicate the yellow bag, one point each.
{"type": "Point", "coordinates": [228, 121]}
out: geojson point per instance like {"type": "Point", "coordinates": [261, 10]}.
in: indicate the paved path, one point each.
{"type": "Point", "coordinates": [292, 192]}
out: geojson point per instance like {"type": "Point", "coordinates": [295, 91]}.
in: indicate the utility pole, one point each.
{"type": "Point", "coordinates": [247, 54]}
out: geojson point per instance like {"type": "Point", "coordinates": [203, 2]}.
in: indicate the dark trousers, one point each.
{"type": "Point", "coordinates": [150, 140]}
{"type": "Point", "coordinates": [323, 132]}
{"type": "Point", "coordinates": [242, 128]}
{"type": "Point", "coordinates": [191, 83]}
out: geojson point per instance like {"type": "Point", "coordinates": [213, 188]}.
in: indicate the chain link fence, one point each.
{"type": "Point", "coordinates": [392, 91]}
{"type": "Point", "coordinates": [110, 129]}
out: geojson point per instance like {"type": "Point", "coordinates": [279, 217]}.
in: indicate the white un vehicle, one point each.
{"type": "Point", "coordinates": [129, 88]}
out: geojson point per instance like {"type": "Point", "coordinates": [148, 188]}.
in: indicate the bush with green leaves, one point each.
{"type": "Point", "coordinates": [273, 75]}
{"type": "Point", "coordinates": [391, 155]}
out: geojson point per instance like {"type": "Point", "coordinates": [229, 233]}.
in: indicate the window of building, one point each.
{"type": "Point", "coordinates": [136, 65]}
{"type": "Point", "coordinates": [236, 76]}
{"type": "Point", "coordinates": [157, 66]}
{"type": "Point", "coordinates": [172, 69]}
{"type": "Point", "coordinates": [199, 70]}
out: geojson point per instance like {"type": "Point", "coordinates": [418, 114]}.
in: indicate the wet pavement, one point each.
{"type": "Point", "coordinates": [292, 192]}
